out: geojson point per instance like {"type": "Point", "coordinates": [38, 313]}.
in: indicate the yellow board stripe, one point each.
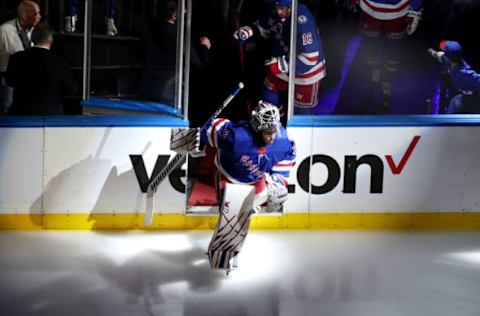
{"type": "Point", "coordinates": [424, 220]}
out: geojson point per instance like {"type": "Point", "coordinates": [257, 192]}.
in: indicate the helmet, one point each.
{"type": "Point", "coordinates": [452, 49]}
{"type": "Point", "coordinates": [265, 117]}
{"type": "Point", "coordinates": [283, 3]}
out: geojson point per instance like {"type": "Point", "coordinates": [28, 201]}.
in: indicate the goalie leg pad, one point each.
{"type": "Point", "coordinates": [232, 226]}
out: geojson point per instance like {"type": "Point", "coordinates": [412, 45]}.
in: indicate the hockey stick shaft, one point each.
{"type": "Point", "coordinates": [225, 103]}
{"type": "Point", "coordinates": [179, 158]}
{"type": "Point", "coordinates": [171, 165]}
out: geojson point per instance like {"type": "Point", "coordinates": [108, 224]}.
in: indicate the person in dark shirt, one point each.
{"type": "Point", "coordinates": [38, 77]}
{"type": "Point", "coordinates": [159, 74]}
{"type": "Point", "coordinates": [15, 35]}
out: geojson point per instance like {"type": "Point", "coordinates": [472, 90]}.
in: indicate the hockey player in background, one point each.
{"type": "Point", "coordinates": [310, 62]}
{"type": "Point", "coordinates": [462, 76]}
{"type": "Point", "coordinates": [258, 153]}
{"type": "Point", "coordinates": [396, 19]}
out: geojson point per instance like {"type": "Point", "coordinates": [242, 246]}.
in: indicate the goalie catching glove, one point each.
{"type": "Point", "coordinates": [186, 140]}
{"type": "Point", "coordinates": [277, 192]}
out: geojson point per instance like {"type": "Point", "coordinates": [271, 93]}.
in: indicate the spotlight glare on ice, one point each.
{"type": "Point", "coordinates": [470, 258]}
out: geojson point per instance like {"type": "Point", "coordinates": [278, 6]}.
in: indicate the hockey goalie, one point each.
{"type": "Point", "coordinates": [253, 160]}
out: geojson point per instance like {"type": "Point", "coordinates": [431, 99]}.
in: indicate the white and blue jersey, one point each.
{"type": "Point", "coordinates": [462, 76]}
{"type": "Point", "coordinates": [310, 65]}
{"type": "Point", "coordinates": [241, 157]}
{"type": "Point", "coordinates": [465, 79]}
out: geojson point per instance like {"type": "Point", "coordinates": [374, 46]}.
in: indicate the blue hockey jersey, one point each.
{"type": "Point", "coordinates": [462, 76]}
{"type": "Point", "coordinates": [310, 64]}
{"type": "Point", "coordinates": [241, 157]}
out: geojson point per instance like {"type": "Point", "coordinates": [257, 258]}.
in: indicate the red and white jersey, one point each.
{"type": "Point", "coordinates": [388, 9]}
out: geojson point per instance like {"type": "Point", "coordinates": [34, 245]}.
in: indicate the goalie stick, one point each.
{"type": "Point", "coordinates": [176, 161]}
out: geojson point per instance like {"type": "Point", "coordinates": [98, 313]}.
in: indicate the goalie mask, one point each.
{"type": "Point", "coordinates": [265, 117]}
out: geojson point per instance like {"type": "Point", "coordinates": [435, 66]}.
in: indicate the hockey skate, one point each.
{"type": "Point", "coordinates": [387, 93]}
{"type": "Point", "coordinates": [376, 102]}
{"type": "Point", "coordinates": [70, 22]}
{"type": "Point", "coordinates": [111, 28]}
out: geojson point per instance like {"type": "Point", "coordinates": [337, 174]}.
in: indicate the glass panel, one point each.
{"type": "Point", "coordinates": [374, 66]}
{"type": "Point", "coordinates": [123, 53]}
{"type": "Point", "coordinates": [135, 64]}
{"type": "Point", "coordinates": [49, 13]}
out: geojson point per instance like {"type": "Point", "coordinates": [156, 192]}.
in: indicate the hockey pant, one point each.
{"type": "Point", "coordinates": [261, 192]}
{"type": "Point", "coordinates": [306, 96]}
{"type": "Point", "coordinates": [377, 46]}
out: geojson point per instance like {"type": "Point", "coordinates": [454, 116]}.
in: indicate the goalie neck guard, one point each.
{"type": "Point", "coordinates": [265, 117]}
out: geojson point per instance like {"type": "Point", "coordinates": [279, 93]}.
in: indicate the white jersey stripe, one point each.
{"type": "Point", "coordinates": [384, 11]}
{"type": "Point", "coordinates": [312, 76]}
{"type": "Point", "coordinates": [213, 130]}
{"type": "Point", "coordinates": [307, 61]}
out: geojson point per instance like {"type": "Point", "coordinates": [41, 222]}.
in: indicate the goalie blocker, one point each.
{"type": "Point", "coordinates": [186, 140]}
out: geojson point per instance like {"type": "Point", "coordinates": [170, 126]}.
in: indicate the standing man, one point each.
{"type": "Point", "coordinates": [159, 73]}
{"type": "Point", "coordinates": [310, 61]}
{"type": "Point", "coordinates": [396, 19]}
{"type": "Point", "coordinates": [38, 77]}
{"type": "Point", "coordinates": [15, 35]}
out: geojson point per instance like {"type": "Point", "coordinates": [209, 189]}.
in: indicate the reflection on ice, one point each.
{"type": "Point", "coordinates": [468, 258]}
{"type": "Point", "coordinates": [280, 273]}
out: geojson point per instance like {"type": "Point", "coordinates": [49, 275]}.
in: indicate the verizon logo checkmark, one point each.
{"type": "Point", "coordinates": [397, 169]}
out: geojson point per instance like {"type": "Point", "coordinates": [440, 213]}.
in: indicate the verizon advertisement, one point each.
{"type": "Point", "coordinates": [338, 169]}
{"type": "Point", "coordinates": [386, 169]}
{"type": "Point", "coordinates": [83, 170]}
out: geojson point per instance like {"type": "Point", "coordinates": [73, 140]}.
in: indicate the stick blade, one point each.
{"type": "Point", "coordinates": [148, 217]}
